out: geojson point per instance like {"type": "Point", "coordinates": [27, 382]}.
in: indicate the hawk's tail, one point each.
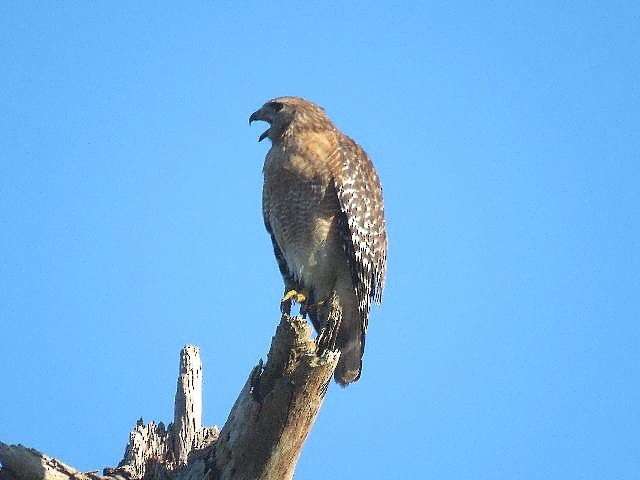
{"type": "Point", "coordinates": [350, 363]}
{"type": "Point", "coordinates": [350, 341]}
{"type": "Point", "coordinates": [350, 337]}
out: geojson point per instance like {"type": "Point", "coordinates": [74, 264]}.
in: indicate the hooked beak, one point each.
{"type": "Point", "coordinates": [263, 115]}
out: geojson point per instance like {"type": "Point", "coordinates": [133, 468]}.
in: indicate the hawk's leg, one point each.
{"type": "Point", "coordinates": [326, 339]}
{"type": "Point", "coordinates": [307, 307]}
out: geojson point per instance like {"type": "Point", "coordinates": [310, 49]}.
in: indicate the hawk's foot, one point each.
{"type": "Point", "coordinates": [291, 296]}
{"type": "Point", "coordinates": [295, 296]}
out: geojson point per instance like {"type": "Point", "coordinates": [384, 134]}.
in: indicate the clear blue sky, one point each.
{"type": "Point", "coordinates": [507, 137]}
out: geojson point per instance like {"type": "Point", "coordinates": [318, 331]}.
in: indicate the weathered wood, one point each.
{"type": "Point", "coordinates": [22, 463]}
{"type": "Point", "coordinates": [187, 418]}
{"type": "Point", "coordinates": [276, 409]}
{"type": "Point", "coordinates": [262, 438]}
{"type": "Point", "coordinates": [154, 445]}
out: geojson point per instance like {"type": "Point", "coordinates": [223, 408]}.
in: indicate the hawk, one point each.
{"type": "Point", "coordinates": [322, 206]}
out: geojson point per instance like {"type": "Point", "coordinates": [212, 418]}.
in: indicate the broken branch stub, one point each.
{"type": "Point", "coordinates": [153, 445]}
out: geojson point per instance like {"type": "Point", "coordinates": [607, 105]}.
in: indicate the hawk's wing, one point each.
{"type": "Point", "coordinates": [361, 223]}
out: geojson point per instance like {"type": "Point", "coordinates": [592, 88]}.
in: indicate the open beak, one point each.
{"type": "Point", "coordinates": [262, 115]}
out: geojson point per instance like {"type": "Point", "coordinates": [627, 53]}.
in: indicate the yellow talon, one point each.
{"type": "Point", "coordinates": [295, 296]}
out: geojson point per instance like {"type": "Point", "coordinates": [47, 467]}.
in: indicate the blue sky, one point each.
{"type": "Point", "coordinates": [506, 136]}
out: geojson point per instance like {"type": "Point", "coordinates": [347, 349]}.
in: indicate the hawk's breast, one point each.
{"type": "Point", "coordinates": [301, 204]}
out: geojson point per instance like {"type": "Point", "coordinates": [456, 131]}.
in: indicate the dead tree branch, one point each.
{"type": "Point", "coordinates": [262, 438]}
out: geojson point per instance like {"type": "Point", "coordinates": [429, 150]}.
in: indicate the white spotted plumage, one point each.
{"type": "Point", "coordinates": [360, 196]}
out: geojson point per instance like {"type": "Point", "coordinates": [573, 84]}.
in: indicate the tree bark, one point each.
{"type": "Point", "coordinates": [262, 438]}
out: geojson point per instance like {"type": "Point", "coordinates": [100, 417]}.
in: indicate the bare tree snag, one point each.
{"type": "Point", "coordinates": [187, 416]}
{"type": "Point", "coordinates": [262, 438]}
{"type": "Point", "coordinates": [153, 445]}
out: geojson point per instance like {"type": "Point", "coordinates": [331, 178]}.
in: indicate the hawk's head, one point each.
{"type": "Point", "coordinates": [284, 112]}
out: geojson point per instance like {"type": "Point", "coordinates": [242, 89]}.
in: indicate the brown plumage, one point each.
{"type": "Point", "coordinates": [322, 206]}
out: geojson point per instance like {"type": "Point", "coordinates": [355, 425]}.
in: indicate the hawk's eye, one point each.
{"type": "Point", "coordinates": [277, 106]}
